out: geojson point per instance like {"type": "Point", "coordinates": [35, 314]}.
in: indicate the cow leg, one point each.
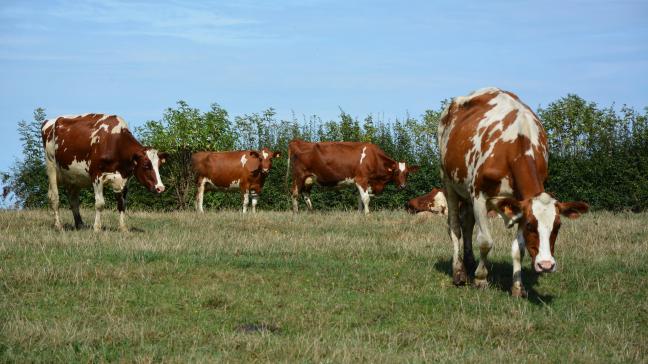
{"type": "Point", "coordinates": [121, 207]}
{"type": "Point", "coordinates": [200, 193]}
{"type": "Point", "coordinates": [294, 195]}
{"type": "Point", "coordinates": [307, 199]}
{"type": "Point", "coordinates": [254, 201]}
{"type": "Point", "coordinates": [467, 226]}
{"type": "Point", "coordinates": [52, 192]}
{"type": "Point", "coordinates": [99, 203]}
{"type": "Point", "coordinates": [73, 194]}
{"type": "Point", "coordinates": [360, 204]}
{"type": "Point", "coordinates": [517, 253]}
{"type": "Point", "coordinates": [246, 200]}
{"type": "Point", "coordinates": [484, 240]}
{"type": "Point", "coordinates": [459, 276]}
{"type": "Point", "coordinates": [364, 197]}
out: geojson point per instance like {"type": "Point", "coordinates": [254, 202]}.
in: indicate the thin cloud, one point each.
{"type": "Point", "coordinates": [198, 22]}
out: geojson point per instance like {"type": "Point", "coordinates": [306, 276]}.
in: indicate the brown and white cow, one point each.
{"type": "Point", "coordinates": [244, 170]}
{"type": "Point", "coordinates": [434, 202]}
{"type": "Point", "coordinates": [494, 156]}
{"type": "Point", "coordinates": [341, 164]}
{"type": "Point", "coordinates": [92, 150]}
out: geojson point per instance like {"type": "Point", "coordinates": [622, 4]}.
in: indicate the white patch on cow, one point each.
{"type": "Point", "coordinates": [401, 166]}
{"type": "Point", "coordinates": [310, 180]}
{"type": "Point", "coordinates": [121, 125]}
{"type": "Point", "coordinates": [363, 155]}
{"type": "Point", "coordinates": [529, 152]}
{"type": "Point", "coordinates": [440, 203]}
{"type": "Point", "coordinates": [346, 182]}
{"type": "Point", "coordinates": [95, 137]}
{"type": "Point", "coordinates": [505, 187]}
{"type": "Point", "coordinates": [152, 154]}
{"type": "Point", "coordinates": [76, 174]}
{"type": "Point", "coordinates": [243, 160]}
{"type": "Point", "coordinates": [49, 123]}
{"type": "Point", "coordinates": [235, 184]}
{"type": "Point", "coordinates": [544, 210]}
{"type": "Point", "coordinates": [264, 154]}
{"type": "Point", "coordinates": [115, 180]}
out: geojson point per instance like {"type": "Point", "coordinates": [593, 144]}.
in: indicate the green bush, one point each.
{"type": "Point", "coordinates": [599, 155]}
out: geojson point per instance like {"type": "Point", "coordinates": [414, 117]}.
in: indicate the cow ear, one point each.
{"type": "Point", "coordinates": [255, 154]}
{"type": "Point", "coordinates": [572, 210]}
{"type": "Point", "coordinates": [392, 168]}
{"type": "Point", "coordinates": [276, 155]}
{"type": "Point", "coordinates": [413, 169]}
{"type": "Point", "coordinates": [510, 208]}
{"type": "Point", "coordinates": [163, 157]}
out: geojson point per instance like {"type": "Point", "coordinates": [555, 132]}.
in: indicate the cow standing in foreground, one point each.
{"type": "Point", "coordinates": [434, 202]}
{"type": "Point", "coordinates": [494, 156]}
{"type": "Point", "coordinates": [244, 170]}
{"type": "Point", "coordinates": [92, 150]}
{"type": "Point", "coordinates": [342, 164]}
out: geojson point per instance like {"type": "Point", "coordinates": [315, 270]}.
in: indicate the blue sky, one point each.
{"type": "Point", "coordinates": [135, 58]}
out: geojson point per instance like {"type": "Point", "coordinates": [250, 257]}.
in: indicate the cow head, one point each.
{"type": "Point", "coordinates": [399, 172]}
{"type": "Point", "coordinates": [146, 168]}
{"type": "Point", "coordinates": [266, 156]}
{"type": "Point", "coordinates": [538, 218]}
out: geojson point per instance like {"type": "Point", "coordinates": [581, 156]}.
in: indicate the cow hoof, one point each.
{"type": "Point", "coordinates": [123, 229]}
{"type": "Point", "coordinates": [96, 229]}
{"type": "Point", "coordinates": [58, 227]}
{"type": "Point", "coordinates": [480, 283]}
{"type": "Point", "coordinates": [459, 277]}
{"type": "Point", "coordinates": [519, 292]}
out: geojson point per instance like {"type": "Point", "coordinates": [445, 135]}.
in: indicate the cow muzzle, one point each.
{"type": "Point", "coordinates": [159, 189]}
{"type": "Point", "coordinates": [266, 171]}
{"type": "Point", "coordinates": [545, 266]}
{"type": "Point", "coordinates": [402, 186]}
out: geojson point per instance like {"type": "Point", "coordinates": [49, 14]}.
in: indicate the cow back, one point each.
{"type": "Point", "coordinates": [492, 143]}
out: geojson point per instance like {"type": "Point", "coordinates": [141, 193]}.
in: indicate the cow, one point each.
{"type": "Point", "coordinates": [92, 150]}
{"type": "Point", "coordinates": [434, 202]}
{"type": "Point", "coordinates": [244, 170]}
{"type": "Point", "coordinates": [494, 157]}
{"type": "Point", "coordinates": [342, 164]}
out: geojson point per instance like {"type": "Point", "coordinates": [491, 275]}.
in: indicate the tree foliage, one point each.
{"type": "Point", "coordinates": [599, 155]}
{"type": "Point", "coordinates": [26, 181]}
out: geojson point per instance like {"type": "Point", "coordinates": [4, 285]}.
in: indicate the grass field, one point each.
{"type": "Point", "coordinates": [322, 287]}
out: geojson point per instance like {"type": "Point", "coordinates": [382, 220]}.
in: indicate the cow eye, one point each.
{"type": "Point", "coordinates": [529, 226]}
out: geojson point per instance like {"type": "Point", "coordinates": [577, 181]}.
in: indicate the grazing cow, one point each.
{"type": "Point", "coordinates": [340, 164]}
{"type": "Point", "coordinates": [92, 150]}
{"type": "Point", "coordinates": [244, 170]}
{"type": "Point", "coordinates": [494, 156]}
{"type": "Point", "coordinates": [434, 202]}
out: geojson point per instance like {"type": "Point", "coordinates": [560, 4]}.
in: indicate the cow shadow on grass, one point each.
{"type": "Point", "coordinates": [500, 276]}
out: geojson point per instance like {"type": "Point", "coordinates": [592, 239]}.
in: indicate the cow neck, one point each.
{"type": "Point", "coordinates": [386, 163]}
{"type": "Point", "coordinates": [128, 147]}
{"type": "Point", "coordinates": [525, 176]}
